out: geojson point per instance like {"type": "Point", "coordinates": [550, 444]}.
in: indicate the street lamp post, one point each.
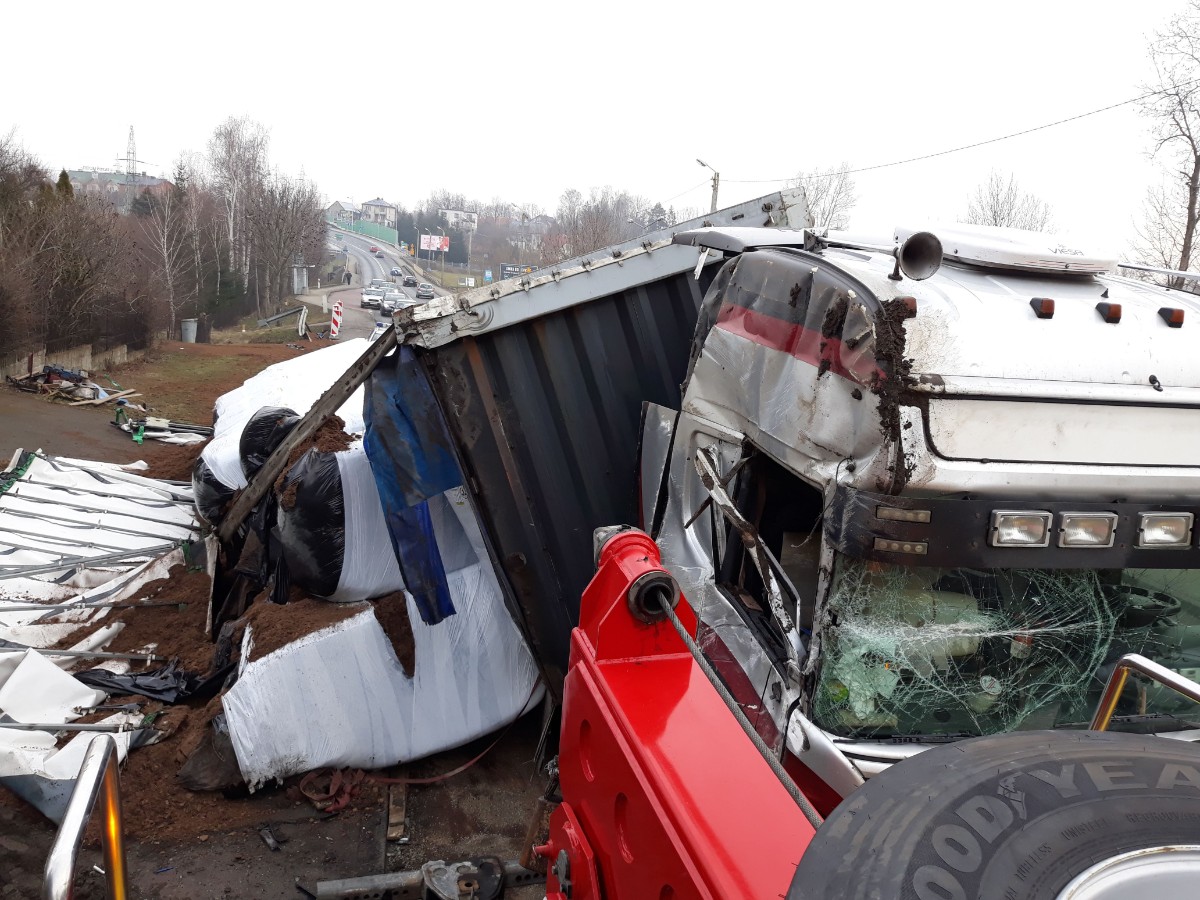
{"type": "Point", "coordinates": [716, 181]}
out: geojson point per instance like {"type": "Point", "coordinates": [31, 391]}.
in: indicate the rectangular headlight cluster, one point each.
{"type": "Point", "coordinates": [1034, 528]}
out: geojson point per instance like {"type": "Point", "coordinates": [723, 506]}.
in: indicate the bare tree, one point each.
{"type": "Point", "coordinates": [829, 194]}
{"type": "Point", "coordinates": [237, 156]}
{"type": "Point", "coordinates": [286, 220]}
{"type": "Point", "coordinates": [168, 250]}
{"type": "Point", "coordinates": [21, 176]}
{"type": "Point", "coordinates": [582, 226]}
{"type": "Point", "coordinates": [1167, 235]}
{"type": "Point", "coordinates": [1001, 202]}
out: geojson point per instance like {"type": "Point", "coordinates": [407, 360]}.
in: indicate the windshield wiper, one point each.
{"type": "Point", "coordinates": [925, 738]}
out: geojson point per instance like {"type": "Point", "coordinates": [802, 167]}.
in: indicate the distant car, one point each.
{"type": "Point", "coordinates": [379, 253]}
{"type": "Point", "coordinates": [410, 280]}
{"type": "Point", "coordinates": [396, 271]}
{"type": "Point", "coordinates": [374, 249]}
{"type": "Point", "coordinates": [394, 300]}
{"type": "Point", "coordinates": [425, 292]}
{"type": "Point", "coordinates": [382, 283]}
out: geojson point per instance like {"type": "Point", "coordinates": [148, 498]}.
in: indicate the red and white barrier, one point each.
{"type": "Point", "coordinates": [335, 321]}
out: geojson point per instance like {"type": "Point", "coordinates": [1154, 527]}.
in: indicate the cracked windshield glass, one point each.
{"type": "Point", "coordinates": [941, 651]}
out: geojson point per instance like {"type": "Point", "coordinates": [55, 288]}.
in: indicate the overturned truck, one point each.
{"type": "Point", "coordinates": [918, 494]}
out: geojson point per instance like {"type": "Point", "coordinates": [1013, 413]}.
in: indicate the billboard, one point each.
{"type": "Point", "coordinates": [512, 270]}
{"type": "Point", "coordinates": [435, 242]}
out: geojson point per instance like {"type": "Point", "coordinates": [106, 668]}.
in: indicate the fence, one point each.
{"type": "Point", "coordinates": [370, 229]}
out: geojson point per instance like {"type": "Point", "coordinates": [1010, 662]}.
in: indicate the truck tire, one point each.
{"type": "Point", "coordinates": [1011, 817]}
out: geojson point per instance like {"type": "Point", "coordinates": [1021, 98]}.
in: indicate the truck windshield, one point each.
{"type": "Point", "coordinates": [929, 651]}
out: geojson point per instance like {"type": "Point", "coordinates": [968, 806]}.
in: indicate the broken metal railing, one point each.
{"type": "Point", "coordinates": [1133, 662]}
{"type": "Point", "coordinates": [98, 778]}
{"type": "Point", "coordinates": [87, 562]}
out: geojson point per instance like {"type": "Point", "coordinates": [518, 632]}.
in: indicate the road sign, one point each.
{"type": "Point", "coordinates": [513, 270]}
{"type": "Point", "coordinates": [487, 276]}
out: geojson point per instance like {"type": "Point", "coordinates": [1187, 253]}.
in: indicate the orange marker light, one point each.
{"type": "Point", "coordinates": [1172, 316]}
{"type": "Point", "coordinates": [1043, 307]}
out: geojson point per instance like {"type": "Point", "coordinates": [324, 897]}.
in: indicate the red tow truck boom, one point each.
{"type": "Point", "coordinates": [646, 749]}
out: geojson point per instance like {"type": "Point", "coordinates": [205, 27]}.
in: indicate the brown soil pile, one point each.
{"type": "Point", "coordinates": [174, 462]}
{"type": "Point", "coordinates": [392, 613]}
{"type": "Point", "coordinates": [178, 632]}
{"type": "Point", "coordinates": [277, 625]}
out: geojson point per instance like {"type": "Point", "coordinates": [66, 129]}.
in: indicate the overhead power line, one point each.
{"type": "Point", "coordinates": [995, 140]}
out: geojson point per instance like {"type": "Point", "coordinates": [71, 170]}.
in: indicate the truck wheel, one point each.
{"type": "Point", "coordinates": [1017, 817]}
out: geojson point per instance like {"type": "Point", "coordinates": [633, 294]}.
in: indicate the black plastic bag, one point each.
{"type": "Point", "coordinates": [312, 523]}
{"type": "Point", "coordinates": [265, 431]}
{"type": "Point", "coordinates": [211, 495]}
{"type": "Point", "coordinates": [169, 684]}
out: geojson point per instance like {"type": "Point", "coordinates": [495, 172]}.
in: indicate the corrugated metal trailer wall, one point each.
{"type": "Point", "coordinates": [546, 416]}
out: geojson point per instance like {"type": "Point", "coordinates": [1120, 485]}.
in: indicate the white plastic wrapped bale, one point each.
{"type": "Point", "coordinates": [332, 529]}
{"type": "Point", "coordinates": [339, 697]}
{"type": "Point", "coordinates": [295, 383]}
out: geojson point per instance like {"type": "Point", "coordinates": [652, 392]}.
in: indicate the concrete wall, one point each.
{"type": "Point", "coordinates": [74, 358]}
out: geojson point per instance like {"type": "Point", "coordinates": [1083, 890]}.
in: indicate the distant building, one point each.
{"type": "Point", "coordinates": [380, 212]}
{"type": "Point", "coordinates": [118, 188]}
{"type": "Point", "coordinates": [460, 220]}
{"type": "Point", "coordinates": [529, 234]}
{"type": "Point", "coordinates": [343, 211]}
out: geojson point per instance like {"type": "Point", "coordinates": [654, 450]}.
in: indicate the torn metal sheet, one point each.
{"type": "Point", "coordinates": [59, 517]}
{"type": "Point", "coordinates": [45, 777]}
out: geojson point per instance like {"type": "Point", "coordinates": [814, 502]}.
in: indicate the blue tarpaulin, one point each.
{"type": "Point", "coordinates": [408, 446]}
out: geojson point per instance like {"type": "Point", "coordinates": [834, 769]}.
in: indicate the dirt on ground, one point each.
{"type": "Point", "coordinates": [181, 381]}
{"type": "Point", "coordinates": [174, 463]}
{"type": "Point", "coordinates": [177, 381]}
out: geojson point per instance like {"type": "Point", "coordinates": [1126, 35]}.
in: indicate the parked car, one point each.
{"type": "Point", "coordinates": [396, 271]}
{"type": "Point", "coordinates": [425, 292]}
{"type": "Point", "coordinates": [410, 280]}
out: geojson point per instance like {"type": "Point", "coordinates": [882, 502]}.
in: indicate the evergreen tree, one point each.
{"type": "Point", "coordinates": [143, 205]}
{"type": "Point", "coordinates": [63, 186]}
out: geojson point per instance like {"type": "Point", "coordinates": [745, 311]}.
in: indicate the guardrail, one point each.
{"type": "Point", "coordinates": [98, 777]}
{"type": "Point", "coordinates": [1132, 662]}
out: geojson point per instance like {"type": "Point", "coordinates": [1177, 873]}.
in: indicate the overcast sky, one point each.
{"type": "Point", "coordinates": [523, 100]}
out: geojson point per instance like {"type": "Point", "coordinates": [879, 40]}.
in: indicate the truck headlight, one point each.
{"type": "Point", "coordinates": [1087, 529]}
{"type": "Point", "coordinates": [1164, 530]}
{"type": "Point", "coordinates": [1020, 528]}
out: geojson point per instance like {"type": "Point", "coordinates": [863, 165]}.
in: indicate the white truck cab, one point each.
{"type": "Point", "coordinates": [932, 489]}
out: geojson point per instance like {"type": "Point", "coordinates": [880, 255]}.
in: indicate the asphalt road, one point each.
{"type": "Point", "coordinates": [356, 321]}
